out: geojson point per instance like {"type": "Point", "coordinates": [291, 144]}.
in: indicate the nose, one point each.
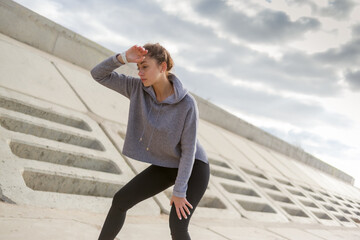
{"type": "Point", "coordinates": [140, 73]}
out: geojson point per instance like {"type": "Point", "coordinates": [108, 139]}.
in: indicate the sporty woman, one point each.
{"type": "Point", "coordinates": [161, 130]}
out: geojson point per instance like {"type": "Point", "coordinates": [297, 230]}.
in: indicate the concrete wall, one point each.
{"type": "Point", "coordinates": [28, 27]}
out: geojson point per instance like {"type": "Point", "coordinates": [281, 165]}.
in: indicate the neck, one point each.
{"type": "Point", "coordinates": [163, 89]}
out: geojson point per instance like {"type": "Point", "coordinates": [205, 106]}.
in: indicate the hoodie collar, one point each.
{"type": "Point", "coordinates": [179, 91]}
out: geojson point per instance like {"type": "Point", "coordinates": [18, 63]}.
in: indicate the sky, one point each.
{"type": "Point", "coordinates": [289, 67]}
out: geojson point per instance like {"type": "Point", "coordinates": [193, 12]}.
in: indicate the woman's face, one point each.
{"type": "Point", "coordinates": [149, 71]}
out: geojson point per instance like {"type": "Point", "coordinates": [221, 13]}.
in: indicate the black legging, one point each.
{"type": "Point", "coordinates": [148, 183]}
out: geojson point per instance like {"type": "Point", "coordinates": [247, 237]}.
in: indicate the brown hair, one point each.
{"type": "Point", "coordinates": [160, 54]}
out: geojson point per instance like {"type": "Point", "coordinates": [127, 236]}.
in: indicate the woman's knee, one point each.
{"type": "Point", "coordinates": [121, 202]}
{"type": "Point", "coordinates": [179, 233]}
{"type": "Point", "coordinates": [178, 228]}
{"type": "Point", "coordinates": [180, 236]}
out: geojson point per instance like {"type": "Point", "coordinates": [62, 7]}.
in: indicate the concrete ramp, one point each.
{"type": "Point", "coordinates": [61, 138]}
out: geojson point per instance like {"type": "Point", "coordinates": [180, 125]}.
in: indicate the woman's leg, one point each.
{"type": "Point", "coordinates": [148, 183]}
{"type": "Point", "coordinates": [197, 185]}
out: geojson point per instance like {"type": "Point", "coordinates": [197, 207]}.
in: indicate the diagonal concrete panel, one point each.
{"type": "Point", "coordinates": [343, 208]}
{"type": "Point", "coordinates": [335, 234]}
{"type": "Point", "coordinates": [274, 193]}
{"type": "Point", "coordinates": [253, 152]}
{"type": "Point", "coordinates": [157, 231]}
{"type": "Point", "coordinates": [267, 191]}
{"type": "Point", "coordinates": [244, 146]}
{"type": "Point", "coordinates": [289, 169]}
{"type": "Point", "coordinates": [246, 233]}
{"type": "Point", "coordinates": [325, 234]}
{"type": "Point", "coordinates": [325, 181]}
{"type": "Point", "coordinates": [243, 194]}
{"type": "Point", "coordinates": [216, 142]}
{"type": "Point", "coordinates": [302, 196]}
{"type": "Point", "coordinates": [295, 234]}
{"type": "Point", "coordinates": [100, 100]}
{"type": "Point", "coordinates": [25, 71]}
{"type": "Point", "coordinates": [23, 228]}
{"type": "Point", "coordinates": [347, 234]}
{"type": "Point", "coordinates": [329, 183]}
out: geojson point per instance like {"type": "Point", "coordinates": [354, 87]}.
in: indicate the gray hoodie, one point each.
{"type": "Point", "coordinates": [160, 133]}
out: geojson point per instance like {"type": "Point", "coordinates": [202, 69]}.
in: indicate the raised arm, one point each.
{"type": "Point", "coordinates": [104, 73]}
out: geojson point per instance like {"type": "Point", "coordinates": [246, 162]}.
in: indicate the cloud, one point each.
{"type": "Point", "coordinates": [137, 21]}
{"type": "Point", "coordinates": [356, 31]}
{"type": "Point", "coordinates": [126, 23]}
{"type": "Point", "coordinates": [267, 26]}
{"type": "Point", "coordinates": [199, 45]}
{"type": "Point", "coordinates": [346, 55]}
{"type": "Point", "coordinates": [295, 71]}
{"type": "Point", "coordinates": [313, 143]}
{"type": "Point", "coordinates": [353, 78]}
{"type": "Point", "coordinates": [337, 9]}
{"type": "Point", "coordinates": [259, 103]}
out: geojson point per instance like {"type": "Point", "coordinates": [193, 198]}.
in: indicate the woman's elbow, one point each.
{"type": "Point", "coordinates": [94, 74]}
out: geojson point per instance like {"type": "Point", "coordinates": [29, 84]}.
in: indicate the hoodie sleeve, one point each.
{"type": "Point", "coordinates": [188, 149]}
{"type": "Point", "coordinates": [104, 74]}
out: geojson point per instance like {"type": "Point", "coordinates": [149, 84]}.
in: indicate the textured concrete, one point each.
{"type": "Point", "coordinates": [41, 223]}
{"type": "Point", "coordinates": [294, 234]}
{"type": "Point", "coordinates": [22, 69]}
{"type": "Point", "coordinates": [105, 103]}
{"type": "Point", "coordinates": [61, 136]}
{"type": "Point", "coordinates": [52, 156]}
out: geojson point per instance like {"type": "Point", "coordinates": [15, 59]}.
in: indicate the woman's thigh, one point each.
{"type": "Point", "coordinates": [198, 182]}
{"type": "Point", "coordinates": [148, 183]}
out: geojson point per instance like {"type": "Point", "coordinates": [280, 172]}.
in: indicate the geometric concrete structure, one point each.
{"type": "Point", "coordinates": [56, 157]}
{"type": "Point", "coordinates": [61, 136]}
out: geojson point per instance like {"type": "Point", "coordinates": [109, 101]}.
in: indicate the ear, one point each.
{"type": "Point", "coordinates": [163, 67]}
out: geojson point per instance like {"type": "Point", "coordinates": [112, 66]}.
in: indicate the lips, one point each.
{"type": "Point", "coordinates": [143, 79]}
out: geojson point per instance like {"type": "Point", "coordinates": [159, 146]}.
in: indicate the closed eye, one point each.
{"type": "Point", "coordinates": [143, 67]}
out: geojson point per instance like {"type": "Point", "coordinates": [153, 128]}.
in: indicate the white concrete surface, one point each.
{"type": "Point", "coordinates": [61, 136]}
{"type": "Point", "coordinates": [92, 171]}
{"type": "Point", "coordinates": [41, 223]}
{"type": "Point", "coordinates": [106, 103]}
{"type": "Point", "coordinates": [25, 71]}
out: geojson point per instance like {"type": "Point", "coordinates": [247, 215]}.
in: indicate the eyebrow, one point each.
{"type": "Point", "coordinates": [142, 62]}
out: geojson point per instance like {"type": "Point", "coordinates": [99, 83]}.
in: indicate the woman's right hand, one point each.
{"type": "Point", "coordinates": [136, 54]}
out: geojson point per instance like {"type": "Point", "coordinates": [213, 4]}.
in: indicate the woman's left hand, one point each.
{"type": "Point", "coordinates": [181, 206]}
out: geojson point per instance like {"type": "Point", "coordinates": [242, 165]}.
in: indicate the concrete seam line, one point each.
{"type": "Point", "coordinates": [67, 81]}
{"type": "Point", "coordinates": [211, 230]}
